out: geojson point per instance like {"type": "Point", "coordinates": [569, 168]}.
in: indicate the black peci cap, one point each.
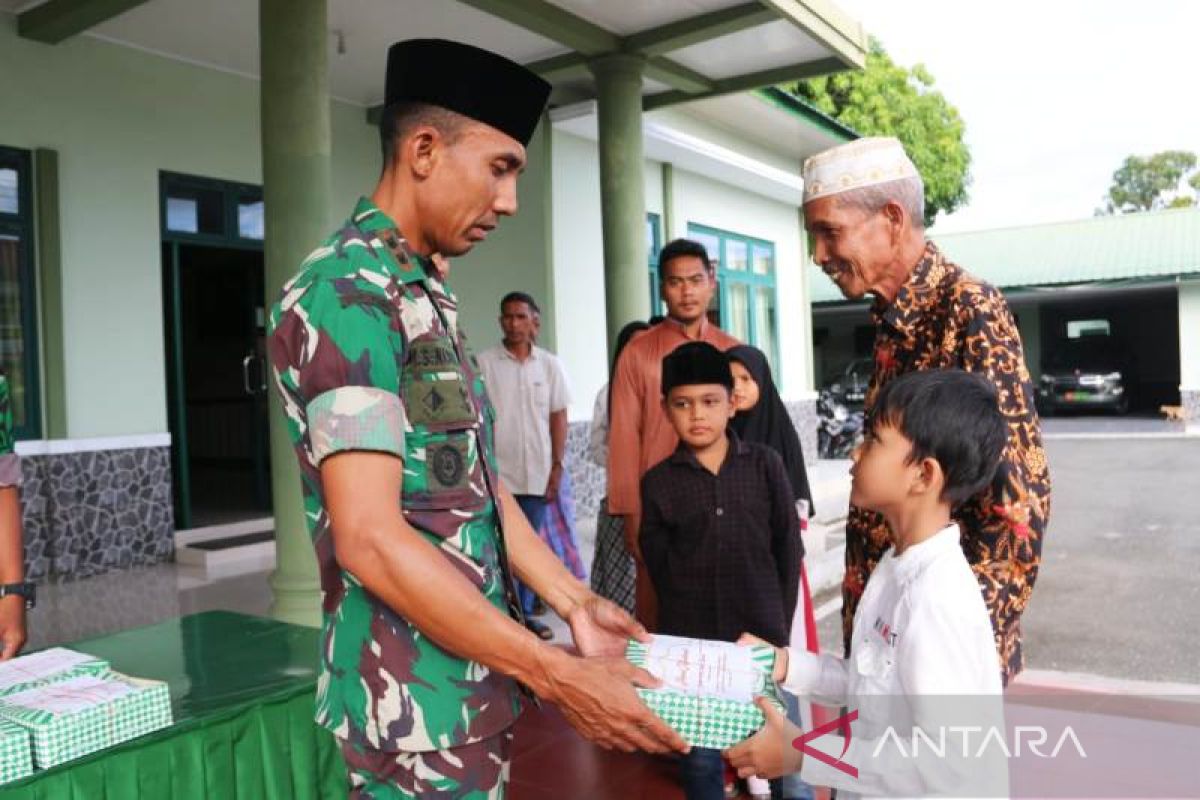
{"type": "Point", "coordinates": [467, 80]}
{"type": "Point", "coordinates": [695, 363]}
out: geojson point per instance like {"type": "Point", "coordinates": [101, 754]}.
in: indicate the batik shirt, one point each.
{"type": "Point", "coordinates": [368, 356]}
{"type": "Point", "coordinates": [944, 317]}
{"type": "Point", "coordinates": [10, 463]}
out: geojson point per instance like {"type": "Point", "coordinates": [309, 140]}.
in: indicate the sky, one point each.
{"type": "Point", "coordinates": [1055, 94]}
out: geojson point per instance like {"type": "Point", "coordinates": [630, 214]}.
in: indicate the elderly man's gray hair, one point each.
{"type": "Point", "coordinates": [908, 192]}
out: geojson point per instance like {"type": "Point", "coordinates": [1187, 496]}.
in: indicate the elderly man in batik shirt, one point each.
{"type": "Point", "coordinates": [864, 211]}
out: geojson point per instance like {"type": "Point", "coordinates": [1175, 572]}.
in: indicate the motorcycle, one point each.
{"type": "Point", "coordinates": [840, 430]}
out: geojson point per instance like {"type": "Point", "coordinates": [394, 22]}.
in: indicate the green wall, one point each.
{"type": "Point", "coordinates": [117, 116]}
{"type": "Point", "coordinates": [515, 257]}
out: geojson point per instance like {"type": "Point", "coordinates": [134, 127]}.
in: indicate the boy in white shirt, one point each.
{"type": "Point", "coordinates": [923, 665]}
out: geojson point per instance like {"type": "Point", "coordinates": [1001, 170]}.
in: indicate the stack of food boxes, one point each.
{"type": "Point", "coordinates": [57, 705]}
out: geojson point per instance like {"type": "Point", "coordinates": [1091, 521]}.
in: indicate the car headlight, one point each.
{"type": "Point", "coordinates": [1048, 380]}
{"type": "Point", "coordinates": [1113, 377]}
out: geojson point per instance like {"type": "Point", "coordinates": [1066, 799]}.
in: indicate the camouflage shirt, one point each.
{"type": "Point", "coordinates": [10, 463]}
{"type": "Point", "coordinates": [367, 355]}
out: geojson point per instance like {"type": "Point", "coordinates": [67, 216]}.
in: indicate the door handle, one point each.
{"type": "Point", "coordinates": [249, 389]}
{"type": "Point", "coordinates": [246, 374]}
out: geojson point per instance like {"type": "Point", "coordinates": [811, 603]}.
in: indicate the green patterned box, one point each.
{"type": "Point", "coordinates": [710, 721]}
{"type": "Point", "coordinates": [16, 755]}
{"type": "Point", "coordinates": [80, 715]}
{"type": "Point", "coordinates": [47, 666]}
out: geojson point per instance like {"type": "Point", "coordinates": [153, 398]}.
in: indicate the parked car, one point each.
{"type": "Point", "coordinates": [1085, 373]}
{"type": "Point", "coordinates": [850, 387]}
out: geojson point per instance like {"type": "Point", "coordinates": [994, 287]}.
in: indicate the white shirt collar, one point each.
{"type": "Point", "coordinates": [533, 353]}
{"type": "Point", "coordinates": [915, 558]}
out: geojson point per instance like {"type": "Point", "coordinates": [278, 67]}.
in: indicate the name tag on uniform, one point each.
{"type": "Point", "coordinates": [434, 391]}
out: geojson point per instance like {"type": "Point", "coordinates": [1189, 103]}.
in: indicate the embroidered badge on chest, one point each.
{"type": "Point", "coordinates": [448, 465]}
{"type": "Point", "coordinates": [433, 401]}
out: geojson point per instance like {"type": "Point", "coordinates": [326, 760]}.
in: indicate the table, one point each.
{"type": "Point", "coordinates": [242, 693]}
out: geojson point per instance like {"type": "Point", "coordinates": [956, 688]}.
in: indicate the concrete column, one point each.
{"type": "Point", "coordinates": [1189, 351]}
{"type": "Point", "coordinates": [296, 146]}
{"type": "Point", "coordinates": [622, 189]}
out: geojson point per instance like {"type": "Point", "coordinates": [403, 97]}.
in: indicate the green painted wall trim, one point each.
{"type": "Point", "coordinates": [699, 29]}
{"type": "Point", "coordinates": [57, 20]}
{"type": "Point", "coordinates": [553, 22]}
{"type": "Point", "coordinates": [567, 65]}
{"type": "Point", "coordinates": [678, 76]}
{"type": "Point", "coordinates": [753, 80]}
{"type": "Point", "coordinates": [826, 23]}
{"type": "Point", "coordinates": [807, 112]}
{"type": "Point", "coordinates": [50, 282]}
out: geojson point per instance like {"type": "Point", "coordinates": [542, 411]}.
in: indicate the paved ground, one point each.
{"type": "Point", "coordinates": [1120, 587]}
{"type": "Point", "coordinates": [1119, 591]}
{"type": "Point", "coordinates": [1094, 423]}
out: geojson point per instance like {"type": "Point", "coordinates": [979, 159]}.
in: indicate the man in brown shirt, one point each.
{"type": "Point", "coordinates": [864, 211]}
{"type": "Point", "coordinates": [640, 435]}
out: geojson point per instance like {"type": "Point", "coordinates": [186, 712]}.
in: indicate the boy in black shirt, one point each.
{"type": "Point", "coordinates": [719, 534]}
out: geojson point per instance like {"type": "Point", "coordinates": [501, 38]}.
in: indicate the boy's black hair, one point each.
{"type": "Point", "coordinates": [951, 416]}
{"type": "Point", "coordinates": [679, 248]}
{"type": "Point", "coordinates": [520, 297]}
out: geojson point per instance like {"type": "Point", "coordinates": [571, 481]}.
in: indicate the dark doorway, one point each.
{"type": "Point", "coordinates": [213, 304]}
{"type": "Point", "coordinates": [218, 395]}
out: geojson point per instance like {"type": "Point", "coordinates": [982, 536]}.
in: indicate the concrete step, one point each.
{"type": "Point", "coordinates": [227, 550]}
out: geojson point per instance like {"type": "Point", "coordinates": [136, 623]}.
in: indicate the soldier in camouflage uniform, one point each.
{"type": "Point", "coordinates": [12, 555]}
{"type": "Point", "coordinates": [386, 407]}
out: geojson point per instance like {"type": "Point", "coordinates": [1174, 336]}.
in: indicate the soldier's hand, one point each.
{"type": "Point", "coordinates": [602, 628]}
{"type": "Point", "coordinates": [12, 626]}
{"type": "Point", "coordinates": [597, 697]}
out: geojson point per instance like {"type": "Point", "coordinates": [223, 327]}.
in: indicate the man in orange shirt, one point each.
{"type": "Point", "coordinates": [640, 435]}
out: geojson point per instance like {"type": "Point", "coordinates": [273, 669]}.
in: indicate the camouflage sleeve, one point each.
{"type": "Point", "coordinates": [10, 463]}
{"type": "Point", "coordinates": [337, 352]}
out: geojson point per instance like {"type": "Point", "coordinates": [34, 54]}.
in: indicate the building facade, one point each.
{"type": "Point", "coordinates": [153, 196]}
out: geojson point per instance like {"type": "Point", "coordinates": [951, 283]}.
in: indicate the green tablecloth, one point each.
{"type": "Point", "coordinates": [242, 693]}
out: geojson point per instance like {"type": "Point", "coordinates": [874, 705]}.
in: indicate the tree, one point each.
{"type": "Point", "coordinates": [1169, 179]}
{"type": "Point", "coordinates": [886, 99]}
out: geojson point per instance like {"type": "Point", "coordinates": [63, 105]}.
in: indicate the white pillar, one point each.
{"type": "Point", "coordinates": [1189, 351]}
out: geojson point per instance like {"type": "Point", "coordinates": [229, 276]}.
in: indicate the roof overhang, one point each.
{"type": "Point", "coordinates": [753, 140]}
{"type": "Point", "coordinates": [694, 49]}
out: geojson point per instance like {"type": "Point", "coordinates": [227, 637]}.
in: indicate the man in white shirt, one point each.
{"type": "Point", "coordinates": [922, 665]}
{"type": "Point", "coordinates": [528, 389]}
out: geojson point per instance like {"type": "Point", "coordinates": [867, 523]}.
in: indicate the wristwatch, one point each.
{"type": "Point", "coordinates": [26, 590]}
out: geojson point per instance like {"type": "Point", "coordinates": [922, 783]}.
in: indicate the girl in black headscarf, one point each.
{"type": "Point", "coordinates": [763, 418]}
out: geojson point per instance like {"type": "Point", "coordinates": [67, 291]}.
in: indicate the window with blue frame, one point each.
{"type": "Point", "coordinates": [18, 310]}
{"type": "Point", "coordinates": [653, 246]}
{"type": "Point", "coordinates": [745, 302]}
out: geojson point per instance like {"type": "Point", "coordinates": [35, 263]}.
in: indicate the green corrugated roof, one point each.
{"type": "Point", "coordinates": [1153, 244]}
